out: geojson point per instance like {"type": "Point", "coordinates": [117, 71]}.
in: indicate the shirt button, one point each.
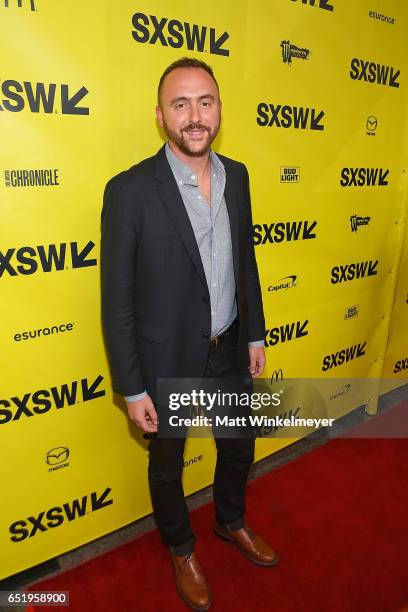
{"type": "Point", "coordinates": [214, 284]}
{"type": "Point", "coordinates": [199, 197]}
{"type": "Point", "coordinates": [193, 176]}
{"type": "Point", "coordinates": [180, 181]}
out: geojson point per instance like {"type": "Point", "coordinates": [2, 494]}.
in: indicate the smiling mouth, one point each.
{"type": "Point", "coordinates": [196, 132]}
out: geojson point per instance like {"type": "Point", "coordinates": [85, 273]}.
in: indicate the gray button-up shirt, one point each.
{"type": "Point", "coordinates": [210, 223]}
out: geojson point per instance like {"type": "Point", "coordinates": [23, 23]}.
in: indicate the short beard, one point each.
{"type": "Point", "coordinates": [178, 138]}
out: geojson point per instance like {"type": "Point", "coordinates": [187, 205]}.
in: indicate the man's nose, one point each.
{"type": "Point", "coordinates": [195, 114]}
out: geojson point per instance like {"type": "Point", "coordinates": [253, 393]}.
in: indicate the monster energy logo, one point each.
{"type": "Point", "coordinates": [289, 51]}
{"type": "Point", "coordinates": [20, 4]}
{"type": "Point", "coordinates": [356, 221]}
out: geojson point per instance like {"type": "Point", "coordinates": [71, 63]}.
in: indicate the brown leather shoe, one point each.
{"type": "Point", "coordinates": [252, 546]}
{"type": "Point", "coordinates": [190, 581]}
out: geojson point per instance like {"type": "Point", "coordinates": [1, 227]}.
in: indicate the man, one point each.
{"type": "Point", "coordinates": [181, 299]}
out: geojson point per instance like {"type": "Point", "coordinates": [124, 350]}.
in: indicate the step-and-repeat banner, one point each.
{"type": "Point", "coordinates": [314, 103]}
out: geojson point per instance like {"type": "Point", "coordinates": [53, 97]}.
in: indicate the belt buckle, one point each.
{"type": "Point", "coordinates": [215, 339]}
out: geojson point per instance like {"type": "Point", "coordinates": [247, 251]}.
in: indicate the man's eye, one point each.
{"type": "Point", "coordinates": [206, 104]}
{"type": "Point", "coordinates": [180, 105]}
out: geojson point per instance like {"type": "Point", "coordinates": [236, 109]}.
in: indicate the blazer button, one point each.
{"type": "Point", "coordinates": [206, 300]}
{"type": "Point", "coordinates": [206, 335]}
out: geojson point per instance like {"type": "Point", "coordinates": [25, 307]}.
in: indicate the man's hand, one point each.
{"type": "Point", "coordinates": [143, 413]}
{"type": "Point", "coordinates": [256, 360]}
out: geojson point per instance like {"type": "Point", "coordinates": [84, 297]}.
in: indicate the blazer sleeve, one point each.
{"type": "Point", "coordinates": [255, 317]}
{"type": "Point", "coordinates": [118, 263]}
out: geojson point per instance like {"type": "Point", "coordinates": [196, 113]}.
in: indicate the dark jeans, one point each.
{"type": "Point", "coordinates": [235, 454]}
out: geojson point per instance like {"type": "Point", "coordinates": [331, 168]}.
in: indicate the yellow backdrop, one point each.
{"type": "Point", "coordinates": [314, 102]}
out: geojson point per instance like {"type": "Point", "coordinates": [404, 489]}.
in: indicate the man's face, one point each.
{"type": "Point", "coordinates": [190, 111]}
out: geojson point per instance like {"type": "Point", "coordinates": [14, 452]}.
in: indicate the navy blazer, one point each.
{"type": "Point", "coordinates": [155, 301]}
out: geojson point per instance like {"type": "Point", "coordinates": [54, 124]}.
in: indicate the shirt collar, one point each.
{"type": "Point", "coordinates": [183, 174]}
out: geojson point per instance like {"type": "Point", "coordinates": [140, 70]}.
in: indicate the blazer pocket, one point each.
{"type": "Point", "coordinates": [151, 332]}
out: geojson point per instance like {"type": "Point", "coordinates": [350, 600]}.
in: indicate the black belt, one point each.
{"type": "Point", "coordinates": [217, 340]}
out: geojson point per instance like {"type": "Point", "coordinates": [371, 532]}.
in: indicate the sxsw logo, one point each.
{"type": "Point", "coordinates": [57, 515]}
{"type": "Point", "coordinates": [322, 4]}
{"type": "Point", "coordinates": [42, 98]}
{"type": "Point", "coordinates": [29, 4]}
{"type": "Point", "coordinates": [286, 333]}
{"type": "Point", "coordinates": [42, 400]}
{"type": "Point", "coordinates": [356, 222]}
{"type": "Point", "coordinates": [364, 177]}
{"type": "Point", "coordinates": [343, 356]}
{"type": "Point", "coordinates": [29, 259]}
{"type": "Point", "coordinates": [401, 365]}
{"type": "Point", "coordinates": [176, 34]}
{"type": "Point", "coordinates": [289, 51]}
{"type": "Point", "coordinates": [350, 272]}
{"type": "Point", "coordinates": [361, 70]}
{"type": "Point", "coordinates": [280, 232]}
{"type": "Point", "coordinates": [297, 117]}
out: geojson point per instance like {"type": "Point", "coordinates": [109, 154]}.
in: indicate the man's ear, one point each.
{"type": "Point", "coordinates": [159, 115]}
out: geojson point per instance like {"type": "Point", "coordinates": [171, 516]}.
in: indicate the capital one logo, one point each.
{"type": "Point", "coordinates": [30, 3]}
{"type": "Point", "coordinates": [42, 98]}
{"type": "Point", "coordinates": [176, 34]}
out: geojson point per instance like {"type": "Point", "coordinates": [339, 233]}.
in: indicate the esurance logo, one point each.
{"type": "Point", "coordinates": [48, 258]}
{"type": "Point", "coordinates": [42, 98]}
{"type": "Point", "coordinates": [57, 515]}
{"type": "Point", "coordinates": [343, 356]}
{"type": "Point", "coordinates": [349, 272]}
{"type": "Point", "coordinates": [322, 4]}
{"type": "Point", "coordinates": [297, 117]}
{"type": "Point", "coordinates": [42, 400]}
{"type": "Point", "coordinates": [176, 34]}
{"type": "Point", "coordinates": [283, 232]}
{"type": "Point", "coordinates": [364, 177]}
{"type": "Point", "coordinates": [29, 4]}
{"type": "Point", "coordinates": [362, 70]}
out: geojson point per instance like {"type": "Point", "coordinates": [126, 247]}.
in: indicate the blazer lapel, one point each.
{"type": "Point", "coordinates": [173, 202]}
{"type": "Point", "coordinates": [232, 207]}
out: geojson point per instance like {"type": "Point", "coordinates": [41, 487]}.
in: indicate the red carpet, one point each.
{"type": "Point", "coordinates": [338, 516]}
